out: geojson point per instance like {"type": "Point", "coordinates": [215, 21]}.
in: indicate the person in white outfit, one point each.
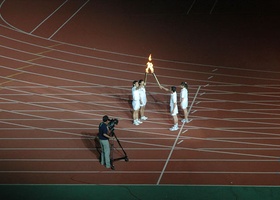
{"type": "Point", "coordinates": [143, 99]}
{"type": "Point", "coordinates": [135, 103]}
{"type": "Point", "coordinates": [173, 106]}
{"type": "Point", "coordinates": [184, 101]}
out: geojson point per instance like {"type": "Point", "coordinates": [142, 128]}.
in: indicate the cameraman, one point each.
{"type": "Point", "coordinates": [104, 137]}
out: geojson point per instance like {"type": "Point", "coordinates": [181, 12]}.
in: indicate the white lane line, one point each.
{"type": "Point", "coordinates": [138, 64]}
{"type": "Point", "coordinates": [158, 147]}
{"type": "Point", "coordinates": [191, 7]}
{"type": "Point", "coordinates": [176, 140]}
{"type": "Point", "coordinates": [214, 70]}
{"type": "Point", "coordinates": [48, 17]}
{"type": "Point", "coordinates": [147, 138]}
{"type": "Point", "coordinates": [206, 85]}
{"type": "Point", "coordinates": [245, 132]}
{"type": "Point", "coordinates": [36, 105]}
{"type": "Point", "coordinates": [138, 172]}
{"type": "Point", "coordinates": [66, 100]}
{"type": "Point", "coordinates": [193, 111]}
{"type": "Point", "coordinates": [43, 129]}
{"type": "Point", "coordinates": [230, 92]}
{"type": "Point", "coordinates": [213, 7]}
{"type": "Point", "coordinates": [67, 70]}
{"type": "Point", "coordinates": [194, 99]}
{"type": "Point", "coordinates": [235, 120]}
{"type": "Point", "coordinates": [251, 102]}
{"type": "Point", "coordinates": [185, 130]}
{"type": "Point", "coordinates": [80, 92]}
{"type": "Point", "coordinates": [231, 142]}
{"type": "Point", "coordinates": [134, 56]}
{"type": "Point", "coordinates": [68, 20]}
{"type": "Point", "coordinates": [209, 91]}
{"type": "Point", "coordinates": [163, 149]}
{"type": "Point", "coordinates": [180, 142]}
{"type": "Point", "coordinates": [133, 160]}
{"type": "Point", "coordinates": [87, 136]}
{"type": "Point", "coordinates": [40, 55]}
{"type": "Point", "coordinates": [99, 58]}
{"type": "Point", "coordinates": [68, 53]}
{"type": "Point", "coordinates": [228, 129]}
{"type": "Point", "coordinates": [49, 76]}
{"type": "Point", "coordinates": [245, 110]}
{"type": "Point", "coordinates": [100, 67]}
{"type": "Point", "coordinates": [202, 93]}
{"type": "Point", "coordinates": [10, 26]}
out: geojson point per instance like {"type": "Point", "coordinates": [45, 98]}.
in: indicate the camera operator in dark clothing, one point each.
{"type": "Point", "coordinates": [103, 136]}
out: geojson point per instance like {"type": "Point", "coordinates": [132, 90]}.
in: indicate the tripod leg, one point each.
{"type": "Point", "coordinates": [112, 155]}
{"type": "Point", "coordinates": [125, 155]}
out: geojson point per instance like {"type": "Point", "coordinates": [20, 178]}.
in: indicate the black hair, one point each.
{"type": "Point", "coordinates": [173, 89]}
{"type": "Point", "coordinates": [105, 118]}
{"type": "Point", "coordinates": [185, 84]}
{"type": "Point", "coordinates": [140, 81]}
{"type": "Point", "coordinates": [134, 82]}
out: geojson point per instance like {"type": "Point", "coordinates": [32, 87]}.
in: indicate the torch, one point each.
{"type": "Point", "coordinates": [151, 69]}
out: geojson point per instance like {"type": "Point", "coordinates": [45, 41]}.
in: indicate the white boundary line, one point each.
{"type": "Point", "coordinates": [213, 7]}
{"type": "Point", "coordinates": [128, 55]}
{"type": "Point", "coordinates": [123, 54]}
{"type": "Point", "coordinates": [139, 172]}
{"type": "Point", "coordinates": [48, 16]}
{"type": "Point", "coordinates": [175, 142]}
{"type": "Point", "coordinates": [121, 62]}
{"type": "Point", "coordinates": [191, 6]}
{"type": "Point", "coordinates": [68, 19]}
{"type": "Point", "coordinates": [133, 160]}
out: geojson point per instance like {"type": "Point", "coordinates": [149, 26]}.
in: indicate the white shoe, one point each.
{"type": "Point", "coordinates": [186, 120]}
{"type": "Point", "coordinates": [174, 128]}
{"type": "Point", "coordinates": [136, 123]}
{"type": "Point", "coordinates": [139, 122]}
{"type": "Point", "coordinates": [144, 118]}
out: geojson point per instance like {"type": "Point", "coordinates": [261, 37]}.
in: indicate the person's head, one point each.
{"type": "Point", "coordinates": [184, 85]}
{"type": "Point", "coordinates": [135, 84]}
{"type": "Point", "coordinates": [173, 89]}
{"type": "Point", "coordinates": [105, 119]}
{"type": "Point", "coordinates": [141, 82]}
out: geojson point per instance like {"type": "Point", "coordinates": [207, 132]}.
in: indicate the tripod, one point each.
{"type": "Point", "coordinates": [124, 157]}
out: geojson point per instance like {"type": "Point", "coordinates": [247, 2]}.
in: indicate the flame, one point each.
{"type": "Point", "coordinates": [150, 65]}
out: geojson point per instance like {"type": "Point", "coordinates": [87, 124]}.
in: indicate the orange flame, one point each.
{"type": "Point", "coordinates": [150, 65]}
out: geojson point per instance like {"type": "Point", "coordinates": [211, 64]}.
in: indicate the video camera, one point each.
{"type": "Point", "coordinates": [112, 123]}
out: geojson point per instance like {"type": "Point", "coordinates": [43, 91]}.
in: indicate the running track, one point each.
{"type": "Point", "coordinates": [62, 70]}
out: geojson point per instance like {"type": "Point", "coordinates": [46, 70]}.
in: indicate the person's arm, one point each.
{"type": "Point", "coordinates": [135, 94]}
{"type": "Point", "coordinates": [182, 95]}
{"type": "Point", "coordinates": [174, 103]}
{"type": "Point", "coordinates": [161, 87]}
{"type": "Point", "coordinates": [107, 134]}
{"type": "Point", "coordinates": [181, 99]}
{"type": "Point", "coordinates": [141, 96]}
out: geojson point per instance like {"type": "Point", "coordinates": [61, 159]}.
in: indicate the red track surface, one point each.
{"type": "Point", "coordinates": [58, 80]}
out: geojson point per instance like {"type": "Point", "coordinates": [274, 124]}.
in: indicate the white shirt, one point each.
{"type": "Point", "coordinates": [184, 95]}
{"type": "Point", "coordinates": [135, 95]}
{"type": "Point", "coordinates": [173, 98]}
{"type": "Point", "coordinates": [142, 91]}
